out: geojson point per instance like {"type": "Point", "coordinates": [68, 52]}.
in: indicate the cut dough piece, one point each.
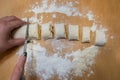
{"type": "Point", "coordinates": [33, 31]}
{"type": "Point", "coordinates": [73, 32]}
{"type": "Point", "coordinates": [59, 31]}
{"type": "Point", "coordinates": [100, 39]}
{"type": "Point", "coordinates": [46, 31]}
{"type": "Point", "coordinates": [86, 34]}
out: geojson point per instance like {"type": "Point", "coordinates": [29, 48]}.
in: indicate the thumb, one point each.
{"type": "Point", "coordinates": [19, 68]}
{"type": "Point", "coordinates": [16, 42]}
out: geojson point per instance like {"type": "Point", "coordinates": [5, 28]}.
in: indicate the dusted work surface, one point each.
{"type": "Point", "coordinates": [107, 66]}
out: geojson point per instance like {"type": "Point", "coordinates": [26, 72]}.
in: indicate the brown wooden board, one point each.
{"type": "Point", "coordinates": [107, 66]}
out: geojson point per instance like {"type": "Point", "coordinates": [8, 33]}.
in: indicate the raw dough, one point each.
{"type": "Point", "coordinates": [86, 34]}
{"type": "Point", "coordinates": [59, 31]}
{"type": "Point", "coordinates": [73, 32]}
{"type": "Point", "coordinates": [100, 39]}
{"type": "Point", "coordinates": [20, 33]}
{"type": "Point", "coordinates": [33, 31]}
{"type": "Point", "coordinates": [46, 31]}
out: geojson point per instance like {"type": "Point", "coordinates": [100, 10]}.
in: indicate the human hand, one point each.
{"type": "Point", "coordinates": [19, 68]}
{"type": "Point", "coordinates": [7, 26]}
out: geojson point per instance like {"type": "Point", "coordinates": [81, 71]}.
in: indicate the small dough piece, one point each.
{"type": "Point", "coordinates": [86, 34]}
{"type": "Point", "coordinates": [59, 31]}
{"type": "Point", "coordinates": [73, 32]}
{"type": "Point", "coordinates": [46, 31]}
{"type": "Point", "coordinates": [100, 39]}
{"type": "Point", "coordinates": [33, 31]}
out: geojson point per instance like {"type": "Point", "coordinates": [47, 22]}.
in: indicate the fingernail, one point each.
{"type": "Point", "coordinates": [25, 54]}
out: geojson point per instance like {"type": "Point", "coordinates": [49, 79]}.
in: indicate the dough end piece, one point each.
{"type": "Point", "coordinates": [100, 38]}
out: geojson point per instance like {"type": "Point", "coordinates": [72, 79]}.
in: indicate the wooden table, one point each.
{"type": "Point", "coordinates": [107, 65]}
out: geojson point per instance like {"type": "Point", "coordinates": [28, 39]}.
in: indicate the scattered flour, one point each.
{"type": "Point", "coordinates": [84, 59]}
{"type": "Point", "coordinates": [59, 45]}
{"type": "Point", "coordinates": [53, 15]}
{"type": "Point", "coordinates": [90, 15]}
{"type": "Point", "coordinates": [94, 27]}
{"type": "Point", "coordinates": [66, 8]}
{"type": "Point", "coordinates": [45, 67]}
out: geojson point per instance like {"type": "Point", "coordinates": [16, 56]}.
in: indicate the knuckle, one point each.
{"type": "Point", "coordinates": [3, 23]}
{"type": "Point", "coordinates": [13, 16]}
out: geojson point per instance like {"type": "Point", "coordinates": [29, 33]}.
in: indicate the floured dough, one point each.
{"type": "Point", "coordinates": [59, 31]}
{"type": "Point", "coordinates": [100, 39]}
{"type": "Point", "coordinates": [46, 31]}
{"type": "Point", "coordinates": [33, 31]}
{"type": "Point", "coordinates": [86, 34]}
{"type": "Point", "coordinates": [73, 32]}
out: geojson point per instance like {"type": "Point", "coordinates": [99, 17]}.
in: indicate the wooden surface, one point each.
{"type": "Point", "coordinates": [107, 65]}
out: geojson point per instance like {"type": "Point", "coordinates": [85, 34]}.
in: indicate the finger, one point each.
{"type": "Point", "coordinates": [15, 24]}
{"type": "Point", "coordinates": [16, 42]}
{"type": "Point", "coordinates": [19, 68]}
{"type": "Point", "coordinates": [9, 18]}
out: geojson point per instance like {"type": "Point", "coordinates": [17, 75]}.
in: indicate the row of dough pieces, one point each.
{"type": "Point", "coordinates": [46, 31]}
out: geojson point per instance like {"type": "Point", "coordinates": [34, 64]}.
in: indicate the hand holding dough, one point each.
{"type": "Point", "coordinates": [33, 32]}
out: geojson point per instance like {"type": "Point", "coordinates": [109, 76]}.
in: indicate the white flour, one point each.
{"type": "Point", "coordinates": [44, 66]}
{"type": "Point", "coordinates": [90, 15]}
{"type": "Point", "coordinates": [66, 8]}
{"type": "Point", "coordinates": [84, 59]}
{"type": "Point", "coordinates": [54, 16]}
{"type": "Point", "coordinates": [44, 7]}
{"type": "Point", "coordinates": [47, 66]}
{"type": "Point", "coordinates": [94, 27]}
